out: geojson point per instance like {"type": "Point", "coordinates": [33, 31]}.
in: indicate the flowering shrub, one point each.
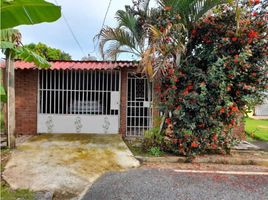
{"type": "Point", "coordinates": [223, 70]}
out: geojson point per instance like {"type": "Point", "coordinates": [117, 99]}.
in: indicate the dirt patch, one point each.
{"type": "Point", "coordinates": [66, 164]}
{"type": "Point", "coordinates": [262, 126]}
{"type": "Point", "coordinates": [206, 167]}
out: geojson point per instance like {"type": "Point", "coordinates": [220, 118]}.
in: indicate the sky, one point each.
{"type": "Point", "coordinates": [85, 18]}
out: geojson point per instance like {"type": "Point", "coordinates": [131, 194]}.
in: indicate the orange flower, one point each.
{"type": "Point", "coordinates": [194, 145]}
{"type": "Point", "coordinates": [222, 110]}
{"type": "Point", "coordinates": [234, 109]}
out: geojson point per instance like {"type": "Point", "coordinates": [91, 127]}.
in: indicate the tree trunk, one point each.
{"type": "Point", "coordinates": [10, 72]}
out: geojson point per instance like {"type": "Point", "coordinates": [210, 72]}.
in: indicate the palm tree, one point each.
{"type": "Point", "coordinates": [129, 36]}
{"type": "Point", "coordinates": [137, 34]}
{"type": "Point", "coordinates": [14, 13]}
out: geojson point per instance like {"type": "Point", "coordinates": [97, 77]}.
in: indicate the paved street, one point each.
{"type": "Point", "coordinates": [169, 184]}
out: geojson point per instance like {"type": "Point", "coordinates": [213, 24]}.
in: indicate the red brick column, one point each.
{"type": "Point", "coordinates": [123, 102]}
{"type": "Point", "coordinates": [26, 101]}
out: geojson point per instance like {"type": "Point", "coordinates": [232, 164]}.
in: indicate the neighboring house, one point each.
{"type": "Point", "coordinates": [262, 110]}
{"type": "Point", "coordinates": [83, 97]}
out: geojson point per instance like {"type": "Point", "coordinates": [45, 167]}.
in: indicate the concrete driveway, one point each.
{"type": "Point", "coordinates": [66, 164]}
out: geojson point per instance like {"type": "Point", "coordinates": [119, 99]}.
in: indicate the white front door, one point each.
{"type": "Point", "coordinates": [78, 101]}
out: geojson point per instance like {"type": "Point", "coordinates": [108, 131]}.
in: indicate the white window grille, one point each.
{"type": "Point", "coordinates": [77, 92]}
{"type": "Point", "coordinates": [139, 101]}
{"type": "Point", "coordinates": [79, 100]}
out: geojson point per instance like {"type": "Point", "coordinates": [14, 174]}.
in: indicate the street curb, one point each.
{"type": "Point", "coordinates": [204, 159]}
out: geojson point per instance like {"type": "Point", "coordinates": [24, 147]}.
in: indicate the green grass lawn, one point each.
{"type": "Point", "coordinates": [257, 128]}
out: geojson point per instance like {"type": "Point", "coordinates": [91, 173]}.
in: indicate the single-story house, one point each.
{"type": "Point", "coordinates": [83, 97]}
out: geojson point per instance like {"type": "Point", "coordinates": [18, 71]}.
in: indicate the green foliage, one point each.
{"type": "Point", "coordinates": [257, 128]}
{"type": "Point", "coordinates": [191, 11]}
{"type": "Point", "coordinates": [9, 194]}
{"type": "Point", "coordinates": [18, 12]}
{"type": "Point", "coordinates": [220, 72]}
{"type": "Point", "coordinates": [155, 151]}
{"type": "Point", "coordinates": [48, 52]}
{"type": "Point", "coordinates": [152, 138]}
{"type": "Point", "coordinates": [11, 38]}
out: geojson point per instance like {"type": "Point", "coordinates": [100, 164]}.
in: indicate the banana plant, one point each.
{"type": "Point", "coordinates": [14, 13]}
{"type": "Point", "coordinates": [18, 12]}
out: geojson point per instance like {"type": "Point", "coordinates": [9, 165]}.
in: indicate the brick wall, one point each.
{"type": "Point", "coordinates": [26, 101]}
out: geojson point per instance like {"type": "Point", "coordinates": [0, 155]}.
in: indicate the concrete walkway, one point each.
{"type": "Point", "coordinates": [66, 163]}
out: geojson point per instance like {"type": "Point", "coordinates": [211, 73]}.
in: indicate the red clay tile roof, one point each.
{"type": "Point", "coordinates": [82, 65]}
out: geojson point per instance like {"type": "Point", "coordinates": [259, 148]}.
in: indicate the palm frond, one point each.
{"type": "Point", "coordinates": [117, 35]}
{"type": "Point", "coordinates": [115, 49]}
{"type": "Point", "coordinates": [126, 20]}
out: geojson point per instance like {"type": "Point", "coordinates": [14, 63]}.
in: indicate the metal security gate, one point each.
{"type": "Point", "coordinates": [78, 101]}
{"type": "Point", "coordinates": [139, 110]}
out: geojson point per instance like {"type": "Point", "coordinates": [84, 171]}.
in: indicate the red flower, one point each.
{"type": "Point", "coordinates": [222, 110]}
{"type": "Point", "coordinates": [252, 34]}
{"type": "Point", "coordinates": [234, 39]}
{"type": "Point", "coordinates": [168, 121]}
{"type": "Point", "coordinates": [214, 137]}
{"type": "Point", "coordinates": [254, 14]}
{"type": "Point", "coordinates": [175, 79]}
{"type": "Point", "coordinates": [214, 146]}
{"type": "Point", "coordinates": [234, 109]}
{"type": "Point", "coordinates": [189, 87]}
{"type": "Point", "coordinates": [254, 1]}
{"type": "Point", "coordinates": [185, 92]}
{"type": "Point", "coordinates": [174, 87]}
{"type": "Point", "coordinates": [171, 71]}
{"type": "Point", "coordinates": [236, 58]}
{"type": "Point", "coordinates": [194, 32]}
